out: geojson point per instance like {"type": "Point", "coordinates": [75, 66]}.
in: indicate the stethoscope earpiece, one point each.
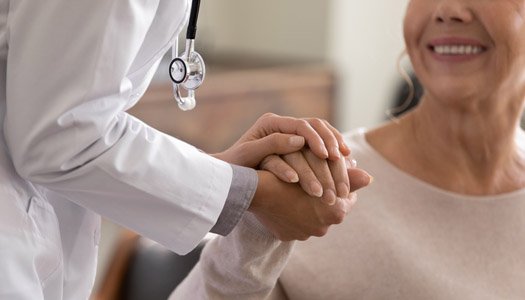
{"type": "Point", "coordinates": [185, 103]}
{"type": "Point", "coordinates": [187, 71]}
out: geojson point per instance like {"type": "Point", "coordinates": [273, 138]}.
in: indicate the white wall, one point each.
{"type": "Point", "coordinates": [365, 39]}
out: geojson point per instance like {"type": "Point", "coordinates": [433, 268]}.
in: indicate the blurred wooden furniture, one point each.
{"type": "Point", "coordinates": [228, 103]}
{"type": "Point", "coordinates": [143, 269]}
{"type": "Point", "coordinates": [115, 273]}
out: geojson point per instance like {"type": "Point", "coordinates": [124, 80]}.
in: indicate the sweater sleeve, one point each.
{"type": "Point", "coordinates": [243, 265]}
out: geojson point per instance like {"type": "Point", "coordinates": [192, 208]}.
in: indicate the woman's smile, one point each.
{"type": "Point", "coordinates": [456, 49]}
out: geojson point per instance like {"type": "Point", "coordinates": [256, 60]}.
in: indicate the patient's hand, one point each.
{"type": "Point", "coordinates": [291, 214]}
{"type": "Point", "coordinates": [327, 179]}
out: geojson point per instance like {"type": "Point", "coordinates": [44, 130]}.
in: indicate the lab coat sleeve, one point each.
{"type": "Point", "coordinates": [67, 130]}
{"type": "Point", "coordinates": [245, 265]}
{"type": "Point", "coordinates": [242, 190]}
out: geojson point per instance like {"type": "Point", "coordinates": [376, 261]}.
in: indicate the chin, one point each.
{"type": "Point", "coordinates": [454, 92]}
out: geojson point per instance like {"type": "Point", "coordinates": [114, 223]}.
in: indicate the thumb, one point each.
{"type": "Point", "coordinates": [359, 178]}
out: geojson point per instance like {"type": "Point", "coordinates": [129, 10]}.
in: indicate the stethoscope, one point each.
{"type": "Point", "coordinates": [187, 71]}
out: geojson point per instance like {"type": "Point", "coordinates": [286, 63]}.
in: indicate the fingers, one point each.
{"type": "Point", "coordinates": [339, 174]}
{"type": "Point", "coordinates": [346, 204]}
{"type": "Point", "coordinates": [251, 153]}
{"type": "Point", "coordinates": [275, 143]}
{"type": "Point", "coordinates": [318, 177]}
{"type": "Point", "coordinates": [343, 147]}
{"type": "Point", "coordinates": [358, 179]}
{"type": "Point", "coordinates": [329, 139]}
{"type": "Point", "coordinates": [307, 177]}
{"type": "Point", "coordinates": [279, 168]}
{"type": "Point", "coordinates": [322, 172]}
{"type": "Point", "coordinates": [297, 126]}
{"type": "Point", "coordinates": [319, 137]}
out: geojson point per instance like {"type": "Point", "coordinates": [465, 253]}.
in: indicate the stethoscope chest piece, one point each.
{"type": "Point", "coordinates": [187, 71]}
{"type": "Point", "coordinates": [179, 70]}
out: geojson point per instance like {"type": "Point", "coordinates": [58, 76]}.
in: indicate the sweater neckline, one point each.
{"type": "Point", "coordinates": [361, 139]}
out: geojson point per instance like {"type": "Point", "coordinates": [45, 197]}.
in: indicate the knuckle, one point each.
{"type": "Point", "coordinates": [268, 115]}
{"type": "Point", "coordinates": [335, 217]}
{"type": "Point", "coordinates": [274, 139]}
{"type": "Point", "coordinates": [268, 162]}
{"type": "Point", "coordinates": [321, 231]}
{"type": "Point", "coordinates": [303, 123]}
{"type": "Point", "coordinates": [303, 238]}
{"type": "Point", "coordinates": [339, 217]}
{"type": "Point", "coordinates": [317, 122]}
{"type": "Point", "coordinates": [339, 220]}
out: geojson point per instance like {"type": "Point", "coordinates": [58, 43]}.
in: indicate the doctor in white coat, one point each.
{"type": "Point", "coordinates": [69, 152]}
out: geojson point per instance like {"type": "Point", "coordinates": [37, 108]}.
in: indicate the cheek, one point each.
{"type": "Point", "coordinates": [408, 23]}
{"type": "Point", "coordinates": [509, 37]}
{"type": "Point", "coordinates": [507, 23]}
{"type": "Point", "coordinates": [415, 22]}
{"type": "Point", "coordinates": [519, 30]}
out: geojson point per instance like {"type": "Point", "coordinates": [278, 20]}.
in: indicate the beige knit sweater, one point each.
{"type": "Point", "coordinates": [404, 239]}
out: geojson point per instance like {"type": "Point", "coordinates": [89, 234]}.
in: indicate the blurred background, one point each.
{"type": "Point", "coordinates": [359, 40]}
{"type": "Point", "coordinates": [334, 59]}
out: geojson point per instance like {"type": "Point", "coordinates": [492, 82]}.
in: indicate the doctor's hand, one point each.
{"type": "Point", "coordinates": [273, 134]}
{"type": "Point", "coordinates": [291, 214]}
{"type": "Point", "coordinates": [325, 179]}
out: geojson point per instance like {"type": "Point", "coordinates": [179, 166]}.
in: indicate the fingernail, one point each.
{"type": "Point", "coordinates": [335, 152]}
{"type": "Point", "coordinates": [292, 176]}
{"type": "Point", "coordinates": [329, 197]}
{"type": "Point", "coordinates": [350, 163]}
{"type": "Point", "coordinates": [296, 141]}
{"type": "Point", "coordinates": [316, 189]}
{"type": "Point", "coordinates": [346, 146]}
{"type": "Point", "coordinates": [325, 153]}
{"type": "Point", "coordinates": [343, 189]}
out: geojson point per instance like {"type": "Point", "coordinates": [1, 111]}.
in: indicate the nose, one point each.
{"type": "Point", "coordinates": [453, 11]}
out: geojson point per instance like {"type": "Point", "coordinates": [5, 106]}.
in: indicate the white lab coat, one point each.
{"type": "Point", "coordinates": [69, 152]}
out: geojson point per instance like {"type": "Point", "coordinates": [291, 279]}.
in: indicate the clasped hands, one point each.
{"type": "Point", "coordinates": [306, 178]}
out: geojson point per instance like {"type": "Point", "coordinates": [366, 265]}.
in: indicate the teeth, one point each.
{"type": "Point", "coordinates": [457, 49]}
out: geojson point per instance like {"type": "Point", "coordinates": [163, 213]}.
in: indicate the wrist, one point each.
{"type": "Point", "coordinates": [261, 192]}
{"type": "Point", "coordinates": [218, 156]}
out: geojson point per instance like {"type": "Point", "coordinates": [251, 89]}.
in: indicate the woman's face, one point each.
{"type": "Point", "coordinates": [466, 48]}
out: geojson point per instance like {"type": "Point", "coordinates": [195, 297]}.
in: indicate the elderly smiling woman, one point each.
{"type": "Point", "coordinates": [445, 217]}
